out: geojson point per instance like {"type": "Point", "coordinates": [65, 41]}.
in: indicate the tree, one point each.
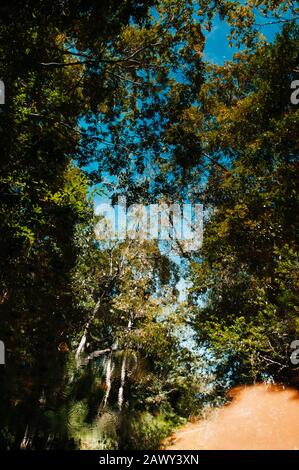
{"type": "Point", "coordinates": [247, 272]}
{"type": "Point", "coordinates": [134, 366]}
{"type": "Point", "coordinates": [121, 88]}
{"type": "Point", "coordinates": [43, 196]}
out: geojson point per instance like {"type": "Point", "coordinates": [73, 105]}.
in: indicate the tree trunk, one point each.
{"type": "Point", "coordinates": [109, 371]}
{"type": "Point", "coordinates": [122, 382]}
{"type": "Point", "coordinates": [82, 343]}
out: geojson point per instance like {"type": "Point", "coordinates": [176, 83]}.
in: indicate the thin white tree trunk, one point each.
{"type": "Point", "coordinates": [120, 400]}
{"type": "Point", "coordinates": [109, 371]}
{"type": "Point", "coordinates": [83, 340]}
{"type": "Point", "coordinates": [122, 382]}
{"type": "Point", "coordinates": [26, 441]}
{"type": "Point", "coordinates": [82, 343]}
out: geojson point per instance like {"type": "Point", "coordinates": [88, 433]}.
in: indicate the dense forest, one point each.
{"type": "Point", "coordinates": [103, 348]}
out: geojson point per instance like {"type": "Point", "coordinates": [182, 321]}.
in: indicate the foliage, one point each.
{"type": "Point", "coordinates": [92, 328]}
{"type": "Point", "coordinates": [249, 261]}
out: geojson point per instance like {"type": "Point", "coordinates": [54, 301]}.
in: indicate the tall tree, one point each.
{"type": "Point", "coordinates": [43, 197]}
{"type": "Point", "coordinates": [248, 268]}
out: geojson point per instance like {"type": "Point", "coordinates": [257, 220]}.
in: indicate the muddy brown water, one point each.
{"type": "Point", "coordinates": [258, 417]}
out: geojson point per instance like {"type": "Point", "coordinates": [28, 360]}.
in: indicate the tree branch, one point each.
{"type": "Point", "coordinates": [277, 22]}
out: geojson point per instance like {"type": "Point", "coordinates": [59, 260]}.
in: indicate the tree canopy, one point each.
{"type": "Point", "coordinates": [119, 98]}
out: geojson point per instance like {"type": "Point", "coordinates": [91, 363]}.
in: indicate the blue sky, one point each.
{"type": "Point", "coordinates": [217, 50]}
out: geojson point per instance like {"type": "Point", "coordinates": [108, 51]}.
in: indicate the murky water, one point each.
{"type": "Point", "coordinates": [258, 417]}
